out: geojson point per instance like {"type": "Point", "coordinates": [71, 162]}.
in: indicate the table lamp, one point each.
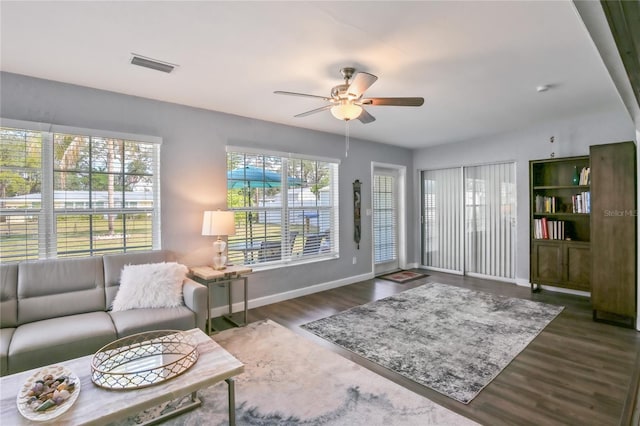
{"type": "Point", "coordinates": [219, 223]}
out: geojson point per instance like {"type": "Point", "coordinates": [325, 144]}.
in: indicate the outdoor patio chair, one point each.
{"type": "Point", "coordinates": [270, 251]}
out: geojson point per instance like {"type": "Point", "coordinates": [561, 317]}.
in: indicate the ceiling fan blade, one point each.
{"type": "Point", "coordinates": [393, 101]}
{"type": "Point", "coordinates": [313, 111]}
{"type": "Point", "coordinates": [361, 82]}
{"type": "Point", "coordinates": [365, 117]}
{"type": "Point", "coordinates": [280, 92]}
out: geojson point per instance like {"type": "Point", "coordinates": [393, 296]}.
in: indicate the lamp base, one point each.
{"type": "Point", "coordinates": [219, 261]}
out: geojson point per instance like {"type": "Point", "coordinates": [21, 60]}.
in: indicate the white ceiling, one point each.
{"type": "Point", "coordinates": [476, 63]}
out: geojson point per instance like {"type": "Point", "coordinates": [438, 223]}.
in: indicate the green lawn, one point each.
{"type": "Point", "coordinates": [75, 236]}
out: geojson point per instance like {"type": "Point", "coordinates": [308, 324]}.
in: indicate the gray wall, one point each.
{"type": "Point", "coordinates": [193, 166]}
{"type": "Point", "coordinates": [573, 136]}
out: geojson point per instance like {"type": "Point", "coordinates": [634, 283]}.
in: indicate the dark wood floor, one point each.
{"type": "Point", "coordinates": [575, 372]}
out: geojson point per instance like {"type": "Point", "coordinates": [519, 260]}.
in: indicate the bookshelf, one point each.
{"type": "Point", "coordinates": [560, 235]}
{"type": "Point", "coordinates": [613, 236]}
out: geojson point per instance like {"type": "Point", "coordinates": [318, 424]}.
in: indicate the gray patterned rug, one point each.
{"type": "Point", "coordinates": [289, 380]}
{"type": "Point", "coordinates": [450, 339]}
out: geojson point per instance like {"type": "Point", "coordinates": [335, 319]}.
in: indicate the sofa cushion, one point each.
{"type": "Point", "coordinates": [139, 320]}
{"type": "Point", "coordinates": [114, 263]}
{"type": "Point", "coordinates": [151, 285]}
{"type": "Point", "coordinates": [9, 295]}
{"type": "Point", "coordinates": [45, 288]}
{"type": "Point", "coordinates": [5, 340]}
{"type": "Point", "coordinates": [58, 339]}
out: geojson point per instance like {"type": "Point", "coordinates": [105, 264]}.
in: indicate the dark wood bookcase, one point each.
{"type": "Point", "coordinates": [560, 223]}
{"type": "Point", "coordinates": [613, 233]}
{"type": "Point", "coordinates": [596, 248]}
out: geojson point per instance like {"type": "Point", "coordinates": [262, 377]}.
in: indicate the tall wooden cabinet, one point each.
{"type": "Point", "coordinates": [560, 225]}
{"type": "Point", "coordinates": [613, 232]}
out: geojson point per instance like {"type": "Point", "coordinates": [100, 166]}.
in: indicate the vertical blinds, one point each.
{"type": "Point", "coordinates": [77, 194]}
{"type": "Point", "coordinates": [442, 216]}
{"type": "Point", "coordinates": [490, 197]}
{"type": "Point", "coordinates": [468, 222]}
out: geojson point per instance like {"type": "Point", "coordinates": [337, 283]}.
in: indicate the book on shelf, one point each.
{"type": "Point", "coordinates": [581, 203]}
{"type": "Point", "coordinates": [585, 176]}
{"type": "Point", "coordinates": [544, 204]}
{"type": "Point", "coordinates": [545, 229]}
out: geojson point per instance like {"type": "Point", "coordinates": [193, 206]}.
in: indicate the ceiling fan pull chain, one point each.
{"type": "Point", "coordinates": [346, 136]}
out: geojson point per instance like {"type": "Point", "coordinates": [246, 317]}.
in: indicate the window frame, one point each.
{"type": "Point", "coordinates": [333, 210]}
{"type": "Point", "coordinates": [48, 212]}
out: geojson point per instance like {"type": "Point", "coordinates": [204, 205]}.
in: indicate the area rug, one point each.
{"type": "Point", "coordinates": [402, 276]}
{"type": "Point", "coordinates": [289, 380]}
{"type": "Point", "coordinates": [450, 339]}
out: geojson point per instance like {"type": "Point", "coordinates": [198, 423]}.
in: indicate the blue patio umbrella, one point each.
{"type": "Point", "coordinates": [257, 177]}
{"type": "Point", "coordinates": [251, 177]}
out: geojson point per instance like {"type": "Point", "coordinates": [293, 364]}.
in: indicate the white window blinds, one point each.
{"type": "Point", "coordinates": [75, 192]}
{"type": "Point", "coordinates": [286, 208]}
{"type": "Point", "coordinates": [20, 183]}
{"type": "Point", "coordinates": [384, 218]}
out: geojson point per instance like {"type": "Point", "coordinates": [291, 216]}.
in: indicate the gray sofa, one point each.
{"type": "Point", "coordinates": [54, 310]}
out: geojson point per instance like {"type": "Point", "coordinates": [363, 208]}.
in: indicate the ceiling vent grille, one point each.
{"type": "Point", "coordinates": [151, 63]}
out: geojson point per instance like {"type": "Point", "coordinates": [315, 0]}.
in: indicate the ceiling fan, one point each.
{"type": "Point", "coordinates": [346, 101]}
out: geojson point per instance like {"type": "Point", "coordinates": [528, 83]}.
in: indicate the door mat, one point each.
{"type": "Point", "coordinates": [403, 276]}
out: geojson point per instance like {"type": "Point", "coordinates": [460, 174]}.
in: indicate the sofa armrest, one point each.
{"type": "Point", "coordinates": [195, 298]}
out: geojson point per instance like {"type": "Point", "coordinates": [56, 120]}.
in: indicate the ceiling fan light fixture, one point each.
{"type": "Point", "coordinates": [346, 111]}
{"type": "Point", "coordinates": [346, 100]}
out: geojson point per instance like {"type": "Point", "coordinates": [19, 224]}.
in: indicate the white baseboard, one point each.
{"type": "Point", "coordinates": [280, 297]}
{"type": "Point", "coordinates": [446, 271]}
{"type": "Point", "coordinates": [566, 291]}
{"type": "Point", "coordinates": [292, 294]}
{"type": "Point", "coordinates": [526, 283]}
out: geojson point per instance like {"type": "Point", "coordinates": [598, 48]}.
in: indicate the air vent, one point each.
{"type": "Point", "coordinates": [152, 63]}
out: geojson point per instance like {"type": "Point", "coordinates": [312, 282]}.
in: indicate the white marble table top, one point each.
{"type": "Point", "coordinates": [97, 406]}
{"type": "Point", "coordinates": [208, 273]}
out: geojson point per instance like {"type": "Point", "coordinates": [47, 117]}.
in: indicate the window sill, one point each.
{"type": "Point", "coordinates": [266, 267]}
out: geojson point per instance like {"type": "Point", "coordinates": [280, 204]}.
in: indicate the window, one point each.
{"type": "Point", "coordinates": [74, 192]}
{"type": "Point", "coordinates": [286, 208]}
{"type": "Point", "coordinates": [385, 218]}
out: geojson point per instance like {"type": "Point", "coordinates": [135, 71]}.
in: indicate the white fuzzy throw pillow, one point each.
{"type": "Point", "coordinates": [151, 285]}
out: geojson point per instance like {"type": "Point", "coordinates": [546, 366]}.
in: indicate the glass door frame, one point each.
{"type": "Point", "coordinates": [401, 225]}
{"type": "Point", "coordinates": [464, 242]}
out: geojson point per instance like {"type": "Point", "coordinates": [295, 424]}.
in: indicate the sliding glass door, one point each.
{"type": "Point", "coordinates": [468, 218]}
{"type": "Point", "coordinates": [490, 201]}
{"type": "Point", "coordinates": [442, 242]}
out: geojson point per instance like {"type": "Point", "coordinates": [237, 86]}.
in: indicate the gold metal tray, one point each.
{"type": "Point", "coordinates": [143, 359]}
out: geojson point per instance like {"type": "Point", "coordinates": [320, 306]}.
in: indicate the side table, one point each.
{"type": "Point", "coordinates": [208, 276]}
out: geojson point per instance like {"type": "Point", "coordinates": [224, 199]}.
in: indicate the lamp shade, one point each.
{"type": "Point", "coordinates": [218, 223]}
{"type": "Point", "coordinates": [346, 110]}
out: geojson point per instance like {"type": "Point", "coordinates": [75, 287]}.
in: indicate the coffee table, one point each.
{"type": "Point", "coordinates": [98, 406]}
